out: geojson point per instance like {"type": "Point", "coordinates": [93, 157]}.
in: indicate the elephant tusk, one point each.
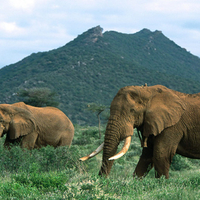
{"type": "Point", "coordinates": [94, 153]}
{"type": "Point", "coordinates": [124, 149]}
{"type": "Point", "coordinates": [145, 142]}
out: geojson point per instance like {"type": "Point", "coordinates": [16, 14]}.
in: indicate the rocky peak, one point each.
{"type": "Point", "coordinates": [91, 36]}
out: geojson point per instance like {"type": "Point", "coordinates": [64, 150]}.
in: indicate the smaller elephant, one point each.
{"type": "Point", "coordinates": [34, 127]}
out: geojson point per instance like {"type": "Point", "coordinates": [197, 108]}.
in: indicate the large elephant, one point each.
{"type": "Point", "coordinates": [34, 127]}
{"type": "Point", "coordinates": [168, 121]}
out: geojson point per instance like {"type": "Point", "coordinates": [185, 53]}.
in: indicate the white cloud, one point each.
{"type": "Point", "coordinates": [25, 5]}
{"type": "Point", "coordinates": [10, 29]}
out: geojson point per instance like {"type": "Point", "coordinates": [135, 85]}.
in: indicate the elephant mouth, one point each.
{"type": "Point", "coordinates": [124, 149]}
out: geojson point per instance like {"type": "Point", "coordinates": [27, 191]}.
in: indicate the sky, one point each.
{"type": "Point", "coordinates": [31, 26]}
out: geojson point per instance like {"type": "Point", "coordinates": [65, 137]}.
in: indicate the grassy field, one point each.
{"type": "Point", "coordinates": [50, 173]}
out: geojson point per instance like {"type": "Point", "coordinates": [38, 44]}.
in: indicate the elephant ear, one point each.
{"type": "Point", "coordinates": [164, 110]}
{"type": "Point", "coordinates": [20, 125]}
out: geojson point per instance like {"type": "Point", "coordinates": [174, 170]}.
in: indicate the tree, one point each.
{"type": "Point", "coordinates": [39, 97]}
{"type": "Point", "coordinates": [97, 108]}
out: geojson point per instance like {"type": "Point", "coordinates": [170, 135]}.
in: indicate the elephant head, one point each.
{"type": "Point", "coordinates": [149, 109]}
{"type": "Point", "coordinates": [15, 121]}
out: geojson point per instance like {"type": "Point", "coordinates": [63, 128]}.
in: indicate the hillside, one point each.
{"type": "Point", "coordinates": [93, 67]}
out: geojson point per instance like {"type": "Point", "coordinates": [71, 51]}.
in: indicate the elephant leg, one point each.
{"type": "Point", "coordinates": [145, 163]}
{"type": "Point", "coordinates": [164, 150]}
{"type": "Point", "coordinates": [28, 141]}
{"type": "Point", "coordinates": [162, 168]}
{"type": "Point", "coordinates": [64, 141]}
{"type": "Point", "coordinates": [162, 160]}
{"type": "Point", "coordinates": [162, 164]}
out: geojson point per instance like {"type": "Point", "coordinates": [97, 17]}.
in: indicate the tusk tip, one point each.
{"type": "Point", "coordinates": [83, 158]}
{"type": "Point", "coordinates": [94, 153]}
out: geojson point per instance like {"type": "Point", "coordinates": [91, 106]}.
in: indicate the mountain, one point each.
{"type": "Point", "coordinates": [95, 65]}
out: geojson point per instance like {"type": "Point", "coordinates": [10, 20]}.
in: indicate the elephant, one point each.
{"type": "Point", "coordinates": [34, 127]}
{"type": "Point", "coordinates": [168, 123]}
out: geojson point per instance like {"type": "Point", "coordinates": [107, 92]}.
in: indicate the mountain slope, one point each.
{"type": "Point", "coordinates": [93, 67]}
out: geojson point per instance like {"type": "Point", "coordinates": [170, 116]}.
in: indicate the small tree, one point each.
{"type": "Point", "coordinates": [39, 97]}
{"type": "Point", "coordinates": [98, 109]}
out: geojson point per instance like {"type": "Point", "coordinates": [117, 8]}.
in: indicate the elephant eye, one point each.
{"type": "Point", "coordinates": [132, 110]}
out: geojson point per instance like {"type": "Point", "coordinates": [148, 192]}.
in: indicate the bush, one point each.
{"type": "Point", "coordinates": [42, 180]}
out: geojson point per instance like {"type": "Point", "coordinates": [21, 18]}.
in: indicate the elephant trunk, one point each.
{"type": "Point", "coordinates": [113, 135]}
{"type": "Point", "coordinates": [110, 149]}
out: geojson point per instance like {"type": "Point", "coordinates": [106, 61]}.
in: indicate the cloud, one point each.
{"type": "Point", "coordinates": [22, 4]}
{"type": "Point", "coordinates": [9, 27]}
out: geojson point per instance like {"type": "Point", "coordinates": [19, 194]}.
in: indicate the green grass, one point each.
{"type": "Point", "coordinates": [50, 173]}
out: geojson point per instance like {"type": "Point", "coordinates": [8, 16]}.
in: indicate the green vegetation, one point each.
{"type": "Point", "coordinates": [95, 65]}
{"type": "Point", "coordinates": [39, 97]}
{"type": "Point", "coordinates": [49, 173]}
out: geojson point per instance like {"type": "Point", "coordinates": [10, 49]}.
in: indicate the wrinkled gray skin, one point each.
{"type": "Point", "coordinates": [170, 121]}
{"type": "Point", "coordinates": [34, 127]}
